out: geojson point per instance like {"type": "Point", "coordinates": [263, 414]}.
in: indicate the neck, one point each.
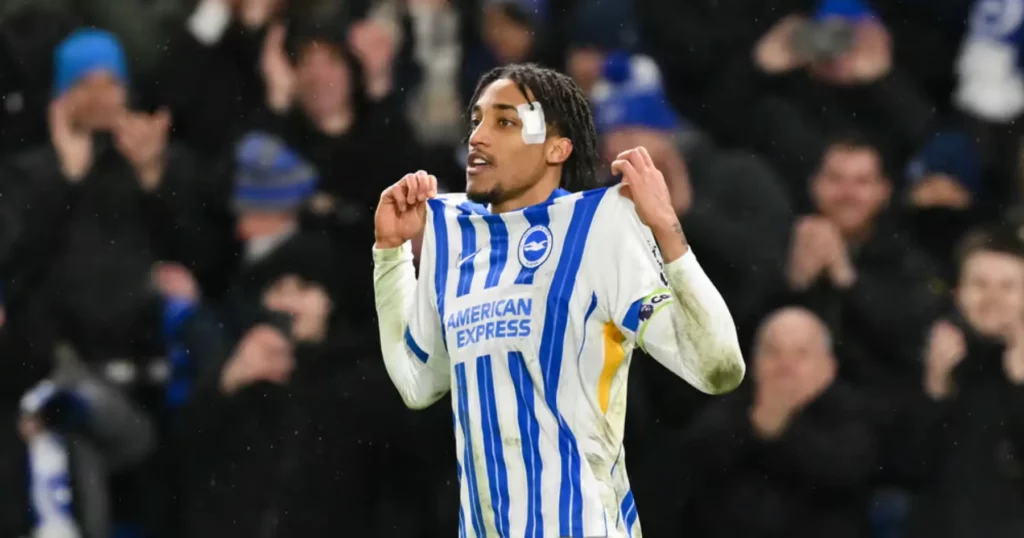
{"type": "Point", "coordinates": [537, 194]}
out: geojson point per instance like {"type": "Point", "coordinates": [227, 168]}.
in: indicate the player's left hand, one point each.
{"type": "Point", "coordinates": [643, 183]}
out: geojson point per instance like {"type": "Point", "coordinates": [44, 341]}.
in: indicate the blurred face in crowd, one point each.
{"type": "Point", "coordinates": [257, 224]}
{"type": "Point", "coordinates": [990, 294]}
{"type": "Point", "coordinates": [586, 66]}
{"type": "Point", "coordinates": [307, 303]}
{"type": "Point", "coordinates": [793, 348]}
{"type": "Point", "coordinates": [501, 166]}
{"type": "Point", "coordinates": [663, 152]}
{"type": "Point", "coordinates": [850, 189]}
{"type": "Point", "coordinates": [323, 79]}
{"type": "Point", "coordinates": [96, 102]}
{"type": "Point", "coordinates": [509, 39]}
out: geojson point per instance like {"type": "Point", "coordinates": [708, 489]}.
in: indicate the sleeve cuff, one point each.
{"type": "Point", "coordinates": [392, 255]}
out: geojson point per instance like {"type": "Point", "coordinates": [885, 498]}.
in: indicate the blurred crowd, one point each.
{"type": "Point", "coordinates": [188, 343]}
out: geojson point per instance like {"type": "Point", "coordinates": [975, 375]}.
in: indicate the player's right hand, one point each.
{"type": "Point", "coordinates": [402, 212]}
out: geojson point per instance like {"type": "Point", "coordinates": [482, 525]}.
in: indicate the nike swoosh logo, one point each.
{"type": "Point", "coordinates": [469, 258]}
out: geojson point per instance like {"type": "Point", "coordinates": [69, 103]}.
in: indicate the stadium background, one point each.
{"type": "Point", "coordinates": [149, 274]}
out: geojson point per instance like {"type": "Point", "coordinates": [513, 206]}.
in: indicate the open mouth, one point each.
{"type": "Point", "coordinates": [477, 162]}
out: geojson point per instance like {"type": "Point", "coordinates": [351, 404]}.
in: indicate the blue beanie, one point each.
{"type": "Point", "coordinates": [634, 96]}
{"type": "Point", "coordinates": [85, 52]}
{"type": "Point", "coordinates": [847, 9]}
{"type": "Point", "coordinates": [270, 176]}
{"type": "Point", "coordinates": [952, 153]}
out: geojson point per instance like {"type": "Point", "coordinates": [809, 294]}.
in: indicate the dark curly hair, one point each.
{"type": "Point", "coordinates": [566, 110]}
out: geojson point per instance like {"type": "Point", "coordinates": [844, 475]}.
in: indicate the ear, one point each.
{"type": "Point", "coordinates": [557, 150]}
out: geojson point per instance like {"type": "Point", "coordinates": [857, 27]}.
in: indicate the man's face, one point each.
{"type": "Point", "coordinates": [500, 165]}
{"type": "Point", "coordinates": [257, 224]}
{"type": "Point", "coordinates": [849, 189]}
{"type": "Point", "coordinates": [793, 350]}
{"type": "Point", "coordinates": [307, 303]}
{"type": "Point", "coordinates": [97, 101]}
{"type": "Point", "coordinates": [510, 41]}
{"type": "Point", "coordinates": [990, 294]}
{"type": "Point", "coordinates": [586, 66]}
{"type": "Point", "coordinates": [323, 77]}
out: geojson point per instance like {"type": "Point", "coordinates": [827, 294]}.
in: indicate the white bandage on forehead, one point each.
{"type": "Point", "coordinates": [535, 128]}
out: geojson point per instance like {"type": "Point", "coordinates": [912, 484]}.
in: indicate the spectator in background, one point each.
{"type": "Point", "coordinates": [853, 267]}
{"type": "Point", "coordinates": [597, 28]}
{"type": "Point", "coordinates": [962, 437]}
{"type": "Point", "coordinates": [510, 31]}
{"type": "Point", "coordinates": [809, 79]}
{"type": "Point", "coordinates": [792, 457]}
{"type": "Point", "coordinates": [284, 443]}
{"type": "Point", "coordinates": [946, 195]}
{"type": "Point", "coordinates": [209, 77]}
{"type": "Point", "coordinates": [734, 206]}
{"type": "Point", "coordinates": [94, 210]}
{"type": "Point", "coordinates": [334, 105]}
{"type": "Point", "coordinates": [272, 183]}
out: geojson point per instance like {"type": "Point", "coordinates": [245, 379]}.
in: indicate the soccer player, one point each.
{"type": "Point", "coordinates": [529, 303]}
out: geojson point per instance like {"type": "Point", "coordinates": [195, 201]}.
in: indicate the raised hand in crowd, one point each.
{"type": "Point", "coordinates": [818, 250]}
{"type": "Point", "coordinates": [142, 140]}
{"type": "Point", "coordinates": [73, 145]}
{"type": "Point", "coordinates": [945, 349]}
{"type": "Point", "coordinates": [374, 44]}
{"type": "Point", "coordinates": [774, 52]}
{"type": "Point", "coordinates": [809, 252]}
{"type": "Point", "coordinates": [277, 71]}
{"type": "Point", "coordinates": [307, 304]}
{"type": "Point", "coordinates": [869, 58]}
{"type": "Point", "coordinates": [175, 282]}
{"type": "Point", "coordinates": [263, 354]}
{"type": "Point", "coordinates": [255, 13]}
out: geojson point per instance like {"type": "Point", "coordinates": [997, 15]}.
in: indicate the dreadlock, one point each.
{"type": "Point", "coordinates": [566, 110]}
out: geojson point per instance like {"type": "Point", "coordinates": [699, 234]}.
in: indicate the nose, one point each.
{"type": "Point", "coordinates": [479, 137]}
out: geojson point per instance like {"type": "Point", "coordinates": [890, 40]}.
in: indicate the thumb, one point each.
{"type": "Point", "coordinates": [274, 42]}
{"type": "Point", "coordinates": [162, 118]}
{"type": "Point", "coordinates": [626, 191]}
{"type": "Point", "coordinates": [58, 117]}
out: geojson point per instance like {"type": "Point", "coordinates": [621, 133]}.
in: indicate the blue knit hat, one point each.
{"type": "Point", "coordinates": [847, 9]}
{"type": "Point", "coordinates": [952, 153]}
{"type": "Point", "coordinates": [270, 176]}
{"type": "Point", "coordinates": [632, 96]}
{"type": "Point", "coordinates": [84, 52]}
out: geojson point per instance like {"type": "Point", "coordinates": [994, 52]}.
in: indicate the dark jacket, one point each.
{"type": "Point", "coordinates": [879, 323]}
{"type": "Point", "coordinates": [312, 458]}
{"type": "Point", "coordinates": [965, 452]}
{"type": "Point", "coordinates": [813, 481]}
{"type": "Point", "coordinates": [76, 258]}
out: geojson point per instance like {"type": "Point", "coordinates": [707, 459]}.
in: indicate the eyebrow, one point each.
{"type": "Point", "coordinates": [498, 106]}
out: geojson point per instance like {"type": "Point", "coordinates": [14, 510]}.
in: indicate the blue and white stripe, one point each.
{"type": "Point", "coordinates": [516, 400]}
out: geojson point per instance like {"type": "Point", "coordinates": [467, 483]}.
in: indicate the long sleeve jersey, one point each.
{"type": "Point", "coordinates": [530, 318]}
